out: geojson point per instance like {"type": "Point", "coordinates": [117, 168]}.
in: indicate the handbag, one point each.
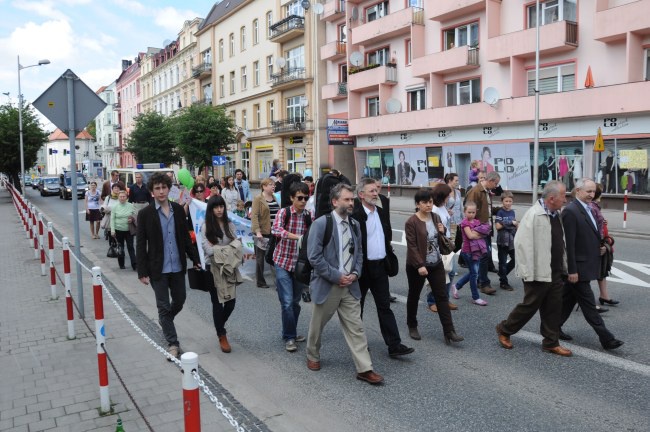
{"type": "Point", "coordinates": [445, 246]}
{"type": "Point", "coordinates": [391, 263]}
{"type": "Point", "coordinates": [448, 262]}
{"type": "Point", "coordinates": [200, 280]}
{"type": "Point", "coordinates": [132, 228]}
{"type": "Point", "coordinates": [112, 251]}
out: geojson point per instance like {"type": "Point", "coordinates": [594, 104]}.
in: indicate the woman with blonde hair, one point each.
{"type": "Point", "coordinates": [265, 207]}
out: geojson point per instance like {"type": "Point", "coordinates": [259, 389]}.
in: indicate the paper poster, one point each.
{"type": "Point", "coordinates": [411, 166]}
{"type": "Point", "coordinates": [633, 159]}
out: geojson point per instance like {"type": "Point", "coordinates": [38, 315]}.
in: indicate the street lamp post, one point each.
{"type": "Point", "coordinates": [20, 120]}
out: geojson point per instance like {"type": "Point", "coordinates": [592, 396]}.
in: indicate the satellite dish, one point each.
{"type": "Point", "coordinates": [280, 62]}
{"type": "Point", "coordinates": [393, 106]}
{"type": "Point", "coordinates": [304, 101]}
{"type": "Point", "coordinates": [305, 4]}
{"type": "Point", "coordinates": [356, 58]}
{"type": "Point", "coordinates": [318, 8]}
{"type": "Point", "coordinates": [355, 13]}
{"type": "Point", "coordinates": [491, 96]}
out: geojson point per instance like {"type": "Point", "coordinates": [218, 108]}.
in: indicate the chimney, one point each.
{"type": "Point", "coordinates": [126, 64]}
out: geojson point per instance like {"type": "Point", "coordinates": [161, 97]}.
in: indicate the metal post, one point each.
{"type": "Point", "coordinates": [536, 138]}
{"type": "Point", "coordinates": [50, 246]}
{"type": "Point", "coordinates": [20, 130]}
{"type": "Point", "coordinates": [70, 77]}
{"type": "Point", "coordinates": [625, 210]}
{"type": "Point", "coordinates": [100, 336]}
{"type": "Point", "coordinates": [67, 284]}
{"type": "Point", "coordinates": [191, 403]}
{"type": "Point", "coordinates": [41, 244]}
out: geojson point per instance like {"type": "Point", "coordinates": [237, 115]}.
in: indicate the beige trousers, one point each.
{"type": "Point", "coordinates": [349, 311]}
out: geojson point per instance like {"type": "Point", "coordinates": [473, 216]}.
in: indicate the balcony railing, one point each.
{"type": "Point", "coordinates": [117, 106]}
{"type": "Point", "coordinates": [117, 126]}
{"type": "Point", "coordinates": [287, 76]}
{"type": "Point", "coordinates": [342, 89]}
{"type": "Point", "coordinates": [201, 69]}
{"type": "Point", "coordinates": [291, 125]}
{"type": "Point", "coordinates": [287, 25]}
{"type": "Point", "coordinates": [572, 33]}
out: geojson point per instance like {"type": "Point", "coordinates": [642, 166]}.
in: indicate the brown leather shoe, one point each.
{"type": "Point", "coordinates": [223, 343]}
{"type": "Point", "coordinates": [559, 350]}
{"type": "Point", "coordinates": [433, 308]}
{"type": "Point", "coordinates": [504, 340]}
{"type": "Point", "coordinates": [453, 306]}
{"type": "Point", "coordinates": [313, 365]}
{"type": "Point", "coordinates": [370, 377]}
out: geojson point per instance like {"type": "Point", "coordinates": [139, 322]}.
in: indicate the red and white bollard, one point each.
{"type": "Point", "coordinates": [41, 244]}
{"type": "Point", "coordinates": [100, 336]}
{"type": "Point", "coordinates": [50, 250]}
{"type": "Point", "coordinates": [35, 234]}
{"type": "Point", "coordinates": [625, 210]}
{"type": "Point", "coordinates": [68, 284]}
{"type": "Point", "coordinates": [30, 224]}
{"type": "Point", "coordinates": [191, 402]}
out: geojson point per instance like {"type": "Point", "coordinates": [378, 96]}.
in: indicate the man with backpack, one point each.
{"type": "Point", "coordinates": [337, 265]}
{"type": "Point", "coordinates": [290, 224]}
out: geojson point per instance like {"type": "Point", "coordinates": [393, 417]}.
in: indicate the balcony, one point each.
{"type": "Point", "coordinates": [334, 91]}
{"type": "Point", "coordinates": [117, 106]}
{"type": "Point", "coordinates": [289, 78]}
{"type": "Point", "coordinates": [371, 78]}
{"type": "Point", "coordinates": [203, 70]}
{"type": "Point", "coordinates": [287, 29]}
{"type": "Point", "coordinates": [296, 126]}
{"type": "Point", "coordinates": [612, 25]}
{"type": "Point", "coordinates": [623, 99]}
{"type": "Point", "coordinates": [445, 62]}
{"type": "Point", "coordinates": [333, 50]}
{"type": "Point", "coordinates": [561, 36]}
{"type": "Point", "coordinates": [117, 127]}
{"type": "Point", "coordinates": [387, 27]}
{"type": "Point", "coordinates": [448, 10]}
{"type": "Point", "coordinates": [333, 10]}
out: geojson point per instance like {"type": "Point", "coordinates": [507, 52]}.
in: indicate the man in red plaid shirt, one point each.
{"type": "Point", "coordinates": [285, 256]}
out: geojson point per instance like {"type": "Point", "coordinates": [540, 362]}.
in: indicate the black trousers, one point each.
{"type": "Point", "coordinates": [375, 280]}
{"type": "Point", "coordinates": [169, 284]}
{"type": "Point", "coordinates": [581, 293]}
{"type": "Point", "coordinates": [220, 311]}
{"type": "Point", "coordinates": [122, 237]}
{"type": "Point", "coordinates": [545, 297]}
{"type": "Point", "coordinates": [436, 278]}
{"type": "Point", "coordinates": [259, 266]}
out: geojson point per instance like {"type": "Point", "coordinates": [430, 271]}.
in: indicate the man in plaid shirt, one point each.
{"type": "Point", "coordinates": [285, 256]}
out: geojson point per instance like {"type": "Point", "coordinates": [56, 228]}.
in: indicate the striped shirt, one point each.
{"type": "Point", "coordinates": [285, 254]}
{"type": "Point", "coordinates": [274, 208]}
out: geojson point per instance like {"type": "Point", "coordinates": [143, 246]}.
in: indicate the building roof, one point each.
{"type": "Point", "coordinates": [58, 135]}
{"type": "Point", "coordinates": [218, 11]}
{"type": "Point", "coordinates": [101, 89]}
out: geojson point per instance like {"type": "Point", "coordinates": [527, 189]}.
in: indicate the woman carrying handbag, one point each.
{"type": "Point", "coordinates": [265, 207]}
{"type": "Point", "coordinates": [122, 215]}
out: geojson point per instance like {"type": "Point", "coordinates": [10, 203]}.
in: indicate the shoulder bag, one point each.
{"type": "Point", "coordinates": [445, 246]}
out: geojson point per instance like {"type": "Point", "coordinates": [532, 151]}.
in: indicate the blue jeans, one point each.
{"type": "Point", "coordinates": [505, 266]}
{"type": "Point", "coordinates": [452, 274]}
{"type": "Point", "coordinates": [472, 276]}
{"type": "Point", "coordinates": [289, 295]}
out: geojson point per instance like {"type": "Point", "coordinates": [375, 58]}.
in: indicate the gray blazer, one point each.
{"type": "Point", "coordinates": [326, 261]}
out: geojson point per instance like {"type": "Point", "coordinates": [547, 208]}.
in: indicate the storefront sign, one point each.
{"type": "Point", "coordinates": [337, 132]}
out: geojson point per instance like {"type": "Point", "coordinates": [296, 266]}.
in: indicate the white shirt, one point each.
{"type": "Point", "coordinates": [339, 228]}
{"type": "Point", "coordinates": [376, 242]}
{"type": "Point", "coordinates": [444, 217]}
{"type": "Point", "coordinates": [591, 215]}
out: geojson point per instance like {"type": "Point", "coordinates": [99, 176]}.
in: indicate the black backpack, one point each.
{"type": "Point", "coordinates": [273, 241]}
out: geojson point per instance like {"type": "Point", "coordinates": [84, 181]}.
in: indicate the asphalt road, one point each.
{"type": "Point", "coordinates": [471, 386]}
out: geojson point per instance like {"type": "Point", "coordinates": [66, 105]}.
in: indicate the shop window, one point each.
{"type": "Point", "coordinates": [553, 79]}
{"type": "Point", "coordinates": [296, 160]}
{"type": "Point", "coordinates": [464, 92]}
{"type": "Point", "coordinates": [462, 35]}
{"type": "Point", "coordinates": [552, 11]}
{"type": "Point", "coordinates": [435, 166]}
{"type": "Point", "coordinates": [378, 164]}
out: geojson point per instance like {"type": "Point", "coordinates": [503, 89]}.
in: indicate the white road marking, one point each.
{"type": "Point", "coordinates": [403, 237]}
{"type": "Point", "coordinates": [597, 356]}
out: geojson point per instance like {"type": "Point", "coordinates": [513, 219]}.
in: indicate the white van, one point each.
{"type": "Point", "coordinates": [127, 175]}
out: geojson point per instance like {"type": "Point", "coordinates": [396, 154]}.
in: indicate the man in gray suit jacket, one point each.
{"type": "Point", "coordinates": [584, 249]}
{"type": "Point", "coordinates": [335, 282]}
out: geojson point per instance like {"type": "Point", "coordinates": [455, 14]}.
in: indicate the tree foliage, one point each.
{"type": "Point", "coordinates": [92, 129]}
{"type": "Point", "coordinates": [202, 131]}
{"type": "Point", "coordinates": [152, 140]}
{"type": "Point", "coordinates": [33, 139]}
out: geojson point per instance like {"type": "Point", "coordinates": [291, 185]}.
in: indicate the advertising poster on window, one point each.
{"type": "Point", "coordinates": [511, 161]}
{"type": "Point", "coordinates": [265, 161]}
{"type": "Point", "coordinates": [411, 166]}
{"type": "Point", "coordinates": [337, 132]}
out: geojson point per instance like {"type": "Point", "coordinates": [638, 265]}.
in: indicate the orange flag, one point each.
{"type": "Point", "coordinates": [589, 82]}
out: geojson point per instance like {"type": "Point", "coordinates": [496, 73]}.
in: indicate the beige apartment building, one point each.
{"type": "Point", "coordinates": [257, 58]}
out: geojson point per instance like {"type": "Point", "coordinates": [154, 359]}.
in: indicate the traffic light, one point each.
{"type": "Point", "coordinates": [65, 152]}
{"type": "Point", "coordinates": [49, 151]}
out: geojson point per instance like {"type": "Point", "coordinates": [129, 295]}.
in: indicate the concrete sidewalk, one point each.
{"type": "Point", "coordinates": [48, 382]}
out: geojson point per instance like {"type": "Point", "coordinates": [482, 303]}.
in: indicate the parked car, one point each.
{"type": "Point", "coordinates": [65, 186]}
{"type": "Point", "coordinates": [49, 186]}
{"type": "Point", "coordinates": [36, 182]}
{"type": "Point", "coordinates": [28, 180]}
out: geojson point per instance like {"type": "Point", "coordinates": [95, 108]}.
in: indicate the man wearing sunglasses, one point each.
{"type": "Point", "coordinates": [289, 230]}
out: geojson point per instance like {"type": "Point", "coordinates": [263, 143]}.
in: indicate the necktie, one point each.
{"type": "Point", "coordinates": [346, 239]}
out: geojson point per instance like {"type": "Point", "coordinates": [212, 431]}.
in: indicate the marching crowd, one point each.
{"type": "Point", "coordinates": [330, 243]}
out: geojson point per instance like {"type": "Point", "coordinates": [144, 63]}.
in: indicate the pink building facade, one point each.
{"type": "Point", "coordinates": [128, 107]}
{"type": "Point", "coordinates": [425, 87]}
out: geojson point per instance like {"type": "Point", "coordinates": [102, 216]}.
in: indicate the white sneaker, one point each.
{"type": "Point", "coordinates": [454, 291]}
{"type": "Point", "coordinates": [479, 302]}
{"type": "Point", "coordinates": [291, 345]}
{"type": "Point", "coordinates": [300, 338]}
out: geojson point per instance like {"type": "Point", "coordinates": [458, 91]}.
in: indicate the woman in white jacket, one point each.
{"type": "Point", "coordinates": [230, 194]}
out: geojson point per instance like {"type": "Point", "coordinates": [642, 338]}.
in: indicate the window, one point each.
{"type": "Point", "coordinates": [256, 32]}
{"type": "Point", "coordinates": [296, 57]}
{"type": "Point", "coordinates": [257, 112]}
{"type": "Point", "coordinates": [460, 36]}
{"type": "Point", "coordinates": [380, 57]}
{"type": "Point", "coordinates": [232, 82]}
{"type": "Point", "coordinates": [269, 23]}
{"type": "Point", "coordinates": [416, 100]}
{"type": "Point", "coordinates": [242, 39]}
{"type": "Point", "coordinates": [220, 50]}
{"type": "Point", "coordinates": [647, 65]}
{"type": "Point", "coordinates": [222, 86]}
{"type": "Point", "coordinates": [270, 111]}
{"type": "Point", "coordinates": [232, 44]}
{"type": "Point", "coordinates": [372, 106]}
{"type": "Point", "coordinates": [552, 11]}
{"type": "Point", "coordinates": [343, 33]}
{"type": "Point", "coordinates": [244, 78]}
{"type": "Point", "coordinates": [244, 119]}
{"type": "Point", "coordinates": [207, 94]}
{"type": "Point", "coordinates": [232, 115]}
{"type": "Point", "coordinates": [343, 72]}
{"type": "Point", "coordinates": [553, 79]}
{"type": "Point", "coordinates": [377, 11]}
{"type": "Point", "coordinates": [256, 73]}
{"type": "Point", "coordinates": [464, 92]}
{"type": "Point", "coordinates": [269, 67]}
{"type": "Point", "coordinates": [295, 113]}
{"type": "Point", "coordinates": [409, 52]}
{"type": "Point", "coordinates": [295, 8]}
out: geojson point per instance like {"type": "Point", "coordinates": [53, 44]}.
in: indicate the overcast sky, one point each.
{"type": "Point", "coordinates": [90, 37]}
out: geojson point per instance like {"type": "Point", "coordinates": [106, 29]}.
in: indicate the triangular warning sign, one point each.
{"type": "Point", "coordinates": [599, 144]}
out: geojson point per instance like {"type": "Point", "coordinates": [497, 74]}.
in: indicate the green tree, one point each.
{"type": "Point", "coordinates": [33, 139]}
{"type": "Point", "coordinates": [92, 129]}
{"type": "Point", "coordinates": [152, 140]}
{"type": "Point", "coordinates": [202, 131]}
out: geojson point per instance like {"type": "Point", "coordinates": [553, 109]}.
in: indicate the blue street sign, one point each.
{"type": "Point", "coordinates": [54, 151]}
{"type": "Point", "coordinates": [218, 160]}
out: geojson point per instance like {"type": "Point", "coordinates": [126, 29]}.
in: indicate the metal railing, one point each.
{"type": "Point", "coordinates": [291, 125]}
{"type": "Point", "coordinates": [292, 22]}
{"type": "Point", "coordinates": [342, 89]}
{"type": "Point", "coordinates": [418, 15]}
{"type": "Point", "coordinates": [472, 56]}
{"type": "Point", "coordinates": [288, 76]}
{"type": "Point", "coordinates": [203, 67]}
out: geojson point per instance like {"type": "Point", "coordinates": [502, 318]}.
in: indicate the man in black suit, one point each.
{"type": "Point", "coordinates": [163, 244]}
{"type": "Point", "coordinates": [584, 249]}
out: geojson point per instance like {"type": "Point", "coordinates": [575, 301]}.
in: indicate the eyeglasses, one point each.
{"type": "Point", "coordinates": [302, 198]}
{"type": "Point", "coordinates": [200, 190]}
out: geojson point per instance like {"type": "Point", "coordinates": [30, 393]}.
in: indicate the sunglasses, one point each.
{"type": "Point", "coordinates": [302, 198]}
{"type": "Point", "coordinates": [200, 190]}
